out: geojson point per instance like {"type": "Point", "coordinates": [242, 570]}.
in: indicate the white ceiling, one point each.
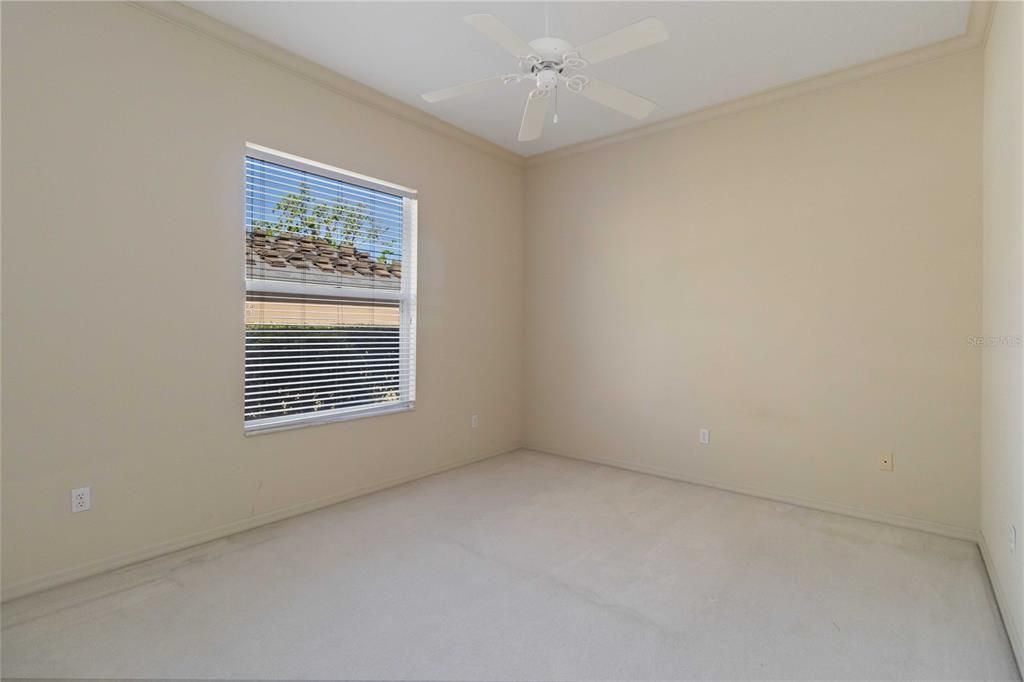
{"type": "Point", "coordinates": [717, 51]}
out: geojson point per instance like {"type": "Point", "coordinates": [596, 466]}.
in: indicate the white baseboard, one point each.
{"type": "Point", "coordinates": [912, 523]}
{"type": "Point", "coordinates": [1012, 628]}
{"type": "Point", "coordinates": [91, 568]}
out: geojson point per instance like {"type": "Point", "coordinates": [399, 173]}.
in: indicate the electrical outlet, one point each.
{"type": "Point", "coordinates": [1013, 539]}
{"type": "Point", "coordinates": [885, 462]}
{"type": "Point", "coordinates": [704, 437]}
{"type": "Point", "coordinates": [474, 421]}
{"type": "Point", "coordinates": [81, 500]}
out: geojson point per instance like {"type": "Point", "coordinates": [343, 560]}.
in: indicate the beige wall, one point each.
{"type": "Point", "coordinates": [1003, 310]}
{"type": "Point", "coordinates": [123, 293]}
{"type": "Point", "coordinates": [801, 278]}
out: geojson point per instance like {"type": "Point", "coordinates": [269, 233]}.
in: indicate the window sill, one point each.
{"type": "Point", "coordinates": [262, 426]}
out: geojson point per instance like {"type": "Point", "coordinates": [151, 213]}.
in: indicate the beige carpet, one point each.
{"type": "Point", "coordinates": [529, 566]}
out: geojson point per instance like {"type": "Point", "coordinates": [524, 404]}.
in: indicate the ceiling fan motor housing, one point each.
{"type": "Point", "coordinates": [551, 49]}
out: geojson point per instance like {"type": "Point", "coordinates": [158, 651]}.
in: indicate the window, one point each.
{"type": "Point", "coordinates": [330, 300]}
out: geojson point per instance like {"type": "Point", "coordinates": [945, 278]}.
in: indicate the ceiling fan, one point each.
{"type": "Point", "coordinates": [549, 62]}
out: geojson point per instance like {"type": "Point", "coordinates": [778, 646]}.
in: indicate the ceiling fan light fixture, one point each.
{"type": "Point", "coordinates": [547, 80]}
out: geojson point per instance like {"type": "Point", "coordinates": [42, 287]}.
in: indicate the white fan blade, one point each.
{"type": "Point", "coordinates": [533, 117]}
{"type": "Point", "coordinates": [493, 28]}
{"type": "Point", "coordinates": [456, 90]}
{"type": "Point", "coordinates": [633, 37]}
{"type": "Point", "coordinates": [617, 98]}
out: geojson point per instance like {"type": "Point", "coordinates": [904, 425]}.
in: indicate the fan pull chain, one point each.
{"type": "Point", "coordinates": [555, 119]}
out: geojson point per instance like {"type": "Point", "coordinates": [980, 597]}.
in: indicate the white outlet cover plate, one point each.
{"type": "Point", "coordinates": [81, 500]}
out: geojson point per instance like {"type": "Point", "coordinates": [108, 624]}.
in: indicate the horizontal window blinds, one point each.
{"type": "Point", "coordinates": [330, 296]}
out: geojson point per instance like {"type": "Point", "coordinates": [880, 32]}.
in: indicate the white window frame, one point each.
{"type": "Point", "coordinates": [406, 297]}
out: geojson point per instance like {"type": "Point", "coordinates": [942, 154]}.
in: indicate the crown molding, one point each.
{"type": "Point", "coordinates": [987, 19]}
{"type": "Point", "coordinates": [193, 20]}
{"type": "Point", "coordinates": [978, 23]}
